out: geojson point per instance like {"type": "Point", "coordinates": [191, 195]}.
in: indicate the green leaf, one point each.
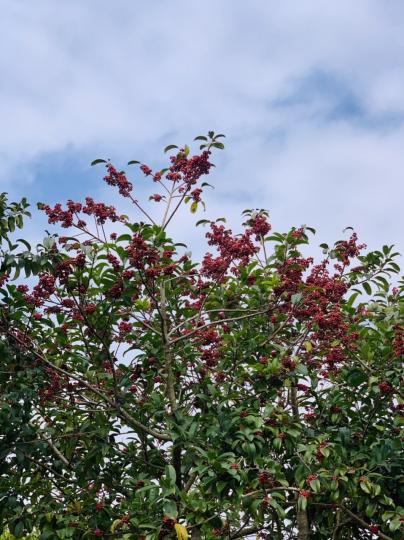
{"type": "Point", "coordinates": [395, 524]}
{"type": "Point", "coordinates": [366, 486]}
{"type": "Point", "coordinates": [97, 161]}
{"type": "Point", "coordinates": [46, 535]}
{"type": "Point", "coordinates": [315, 485]}
{"type": "Point", "coordinates": [171, 474]}
{"type": "Point", "coordinates": [377, 489]}
{"type": "Point", "coordinates": [18, 529]}
{"type": "Point", "coordinates": [356, 377]}
{"type": "Point", "coordinates": [370, 510]}
{"type": "Point", "coordinates": [26, 244]}
{"type": "Point", "coordinates": [352, 299]}
{"type": "Point", "coordinates": [170, 509]}
{"type": "Point", "coordinates": [302, 503]}
{"type": "Point", "coordinates": [170, 147]}
{"type": "Point", "coordinates": [367, 287]}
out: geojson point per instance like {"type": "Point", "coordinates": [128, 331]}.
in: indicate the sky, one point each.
{"type": "Point", "coordinates": [309, 93]}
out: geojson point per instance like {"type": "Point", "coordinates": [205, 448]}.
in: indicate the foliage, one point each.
{"type": "Point", "coordinates": [144, 395]}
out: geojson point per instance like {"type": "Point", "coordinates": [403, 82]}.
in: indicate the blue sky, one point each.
{"type": "Point", "coordinates": [310, 94]}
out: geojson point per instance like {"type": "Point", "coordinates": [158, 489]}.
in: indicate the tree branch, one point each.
{"type": "Point", "coordinates": [132, 421]}
{"type": "Point", "coordinates": [362, 522]}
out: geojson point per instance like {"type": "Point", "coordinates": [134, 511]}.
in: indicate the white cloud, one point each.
{"type": "Point", "coordinates": [122, 78]}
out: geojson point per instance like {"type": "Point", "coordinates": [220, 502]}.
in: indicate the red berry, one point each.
{"type": "Point", "coordinates": [385, 387]}
{"type": "Point", "coordinates": [91, 308]}
{"type": "Point", "coordinates": [265, 501]}
{"type": "Point", "coordinates": [311, 478]}
{"type": "Point", "coordinates": [168, 522]}
{"type": "Point", "coordinates": [98, 532]}
{"type": "Point", "coordinates": [263, 477]}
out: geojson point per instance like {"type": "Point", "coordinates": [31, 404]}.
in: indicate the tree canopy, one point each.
{"type": "Point", "coordinates": [145, 395]}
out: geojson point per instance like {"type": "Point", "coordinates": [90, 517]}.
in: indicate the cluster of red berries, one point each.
{"type": "Point", "coordinates": [319, 454]}
{"type": "Point", "coordinates": [311, 478]}
{"type": "Point", "coordinates": [221, 531]}
{"type": "Point", "coordinates": [349, 249]}
{"type": "Point", "coordinates": [196, 194]}
{"type": "Point", "coordinates": [124, 329]}
{"type": "Point", "coordinates": [54, 384]}
{"type": "Point", "coordinates": [58, 215]}
{"type": "Point", "coordinates": [288, 363]}
{"type": "Point", "coordinates": [69, 218]}
{"type": "Point", "coordinates": [335, 410]}
{"type": "Point", "coordinates": [259, 226]}
{"type": "Point", "coordinates": [90, 309]}
{"type": "Point", "coordinates": [266, 501]}
{"type": "Point", "coordinates": [398, 341]}
{"type": "Point", "coordinates": [208, 342]}
{"type": "Point", "coordinates": [188, 170]}
{"type": "Point", "coordinates": [118, 179]}
{"type": "Point", "coordinates": [141, 254]}
{"type": "Point", "coordinates": [167, 526]}
{"type": "Point", "coordinates": [232, 249]}
{"type": "Point", "coordinates": [303, 387]}
{"type": "Point", "coordinates": [385, 387]}
{"type": "Point", "coordinates": [310, 416]}
{"type": "Point", "coordinates": [139, 484]}
{"type": "Point", "coordinates": [100, 211]}
{"type": "Point", "coordinates": [43, 290]}
{"type": "Point", "coordinates": [266, 479]}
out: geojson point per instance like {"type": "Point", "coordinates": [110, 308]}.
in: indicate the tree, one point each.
{"type": "Point", "coordinates": [147, 396]}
